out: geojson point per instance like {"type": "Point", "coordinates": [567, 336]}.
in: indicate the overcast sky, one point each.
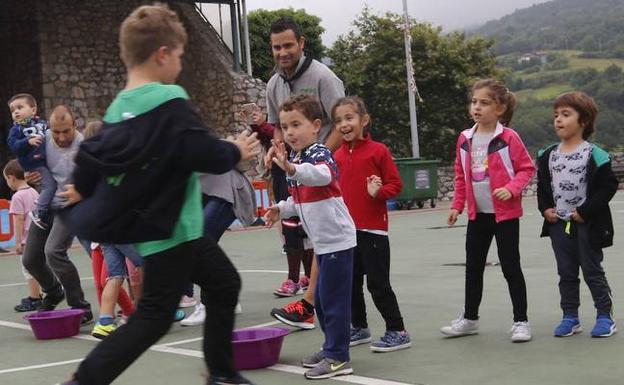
{"type": "Point", "coordinates": [337, 15]}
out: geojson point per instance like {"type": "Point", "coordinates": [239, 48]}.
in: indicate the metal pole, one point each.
{"type": "Point", "coordinates": [239, 33]}
{"type": "Point", "coordinates": [235, 40]}
{"type": "Point", "coordinates": [411, 85]}
{"type": "Point", "coordinates": [246, 38]}
{"type": "Point", "coordinates": [220, 22]}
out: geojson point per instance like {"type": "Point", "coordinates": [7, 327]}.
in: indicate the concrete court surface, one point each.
{"type": "Point", "coordinates": [429, 283]}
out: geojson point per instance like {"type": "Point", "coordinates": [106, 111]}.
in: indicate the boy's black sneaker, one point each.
{"type": "Point", "coordinates": [51, 300]}
{"type": "Point", "coordinates": [237, 380]}
{"type": "Point", "coordinates": [87, 317]}
{"type": "Point", "coordinates": [28, 304]}
{"type": "Point", "coordinates": [73, 381]}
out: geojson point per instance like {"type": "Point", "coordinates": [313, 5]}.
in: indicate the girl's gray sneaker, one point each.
{"type": "Point", "coordinates": [360, 336]}
{"type": "Point", "coordinates": [328, 368]}
{"type": "Point", "coordinates": [391, 341]}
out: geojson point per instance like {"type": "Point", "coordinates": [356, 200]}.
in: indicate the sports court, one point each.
{"type": "Point", "coordinates": [428, 279]}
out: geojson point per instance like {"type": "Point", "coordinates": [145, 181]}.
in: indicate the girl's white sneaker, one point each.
{"type": "Point", "coordinates": [461, 327]}
{"type": "Point", "coordinates": [520, 332]}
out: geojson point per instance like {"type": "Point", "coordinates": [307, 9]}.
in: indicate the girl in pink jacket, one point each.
{"type": "Point", "coordinates": [491, 170]}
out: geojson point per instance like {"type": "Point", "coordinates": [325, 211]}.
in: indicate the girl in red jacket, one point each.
{"type": "Point", "coordinates": [492, 168]}
{"type": "Point", "coordinates": [368, 177]}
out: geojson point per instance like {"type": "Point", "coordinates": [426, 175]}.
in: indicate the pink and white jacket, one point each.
{"type": "Point", "coordinates": [509, 166]}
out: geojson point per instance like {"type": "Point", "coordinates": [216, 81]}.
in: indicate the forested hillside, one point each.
{"type": "Point", "coordinates": [595, 26]}
{"type": "Point", "coordinates": [560, 46]}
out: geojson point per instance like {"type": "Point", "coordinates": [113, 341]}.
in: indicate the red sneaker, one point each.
{"type": "Point", "coordinates": [295, 314]}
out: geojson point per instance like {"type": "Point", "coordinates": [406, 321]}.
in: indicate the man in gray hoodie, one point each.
{"type": "Point", "coordinates": [296, 73]}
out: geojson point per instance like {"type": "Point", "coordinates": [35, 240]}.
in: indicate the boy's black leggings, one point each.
{"type": "Point", "coordinates": [478, 240]}
{"type": "Point", "coordinates": [165, 276]}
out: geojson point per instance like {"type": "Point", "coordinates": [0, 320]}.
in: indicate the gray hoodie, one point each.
{"type": "Point", "coordinates": [317, 80]}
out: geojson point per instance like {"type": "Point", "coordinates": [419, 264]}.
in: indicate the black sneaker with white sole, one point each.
{"type": "Point", "coordinates": [51, 300]}
{"type": "Point", "coordinates": [237, 380]}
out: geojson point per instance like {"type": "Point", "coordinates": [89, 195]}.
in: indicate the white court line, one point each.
{"type": "Point", "coordinates": [181, 342]}
{"type": "Point", "coordinates": [87, 337]}
{"type": "Point", "coordinates": [286, 368]}
{"type": "Point", "coordinates": [350, 378]}
{"type": "Point", "coordinates": [24, 283]}
{"type": "Point", "coordinates": [40, 366]}
{"type": "Point", "coordinates": [17, 325]}
{"type": "Point", "coordinates": [90, 278]}
{"type": "Point", "coordinates": [166, 348]}
{"type": "Point", "coordinates": [14, 325]}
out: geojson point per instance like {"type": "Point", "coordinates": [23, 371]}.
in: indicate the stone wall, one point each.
{"type": "Point", "coordinates": [19, 60]}
{"type": "Point", "coordinates": [446, 177]}
{"type": "Point", "coordinates": [69, 55]}
{"type": "Point", "coordinates": [19, 64]}
{"type": "Point", "coordinates": [215, 88]}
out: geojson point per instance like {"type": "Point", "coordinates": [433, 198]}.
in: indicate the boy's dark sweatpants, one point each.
{"type": "Point", "coordinates": [571, 253]}
{"type": "Point", "coordinates": [372, 258]}
{"type": "Point", "coordinates": [165, 276]}
{"type": "Point", "coordinates": [478, 240]}
{"type": "Point", "coordinates": [333, 302]}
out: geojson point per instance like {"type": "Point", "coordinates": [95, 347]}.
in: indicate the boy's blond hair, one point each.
{"type": "Point", "coordinates": [146, 29]}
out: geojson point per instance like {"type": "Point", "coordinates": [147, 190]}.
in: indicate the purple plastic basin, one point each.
{"type": "Point", "coordinates": [256, 348]}
{"type": "Point", "coordinates": [55, 324]}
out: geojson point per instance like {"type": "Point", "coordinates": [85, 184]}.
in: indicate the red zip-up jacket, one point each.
{"type": "Point", "coordinates": [354, 165]}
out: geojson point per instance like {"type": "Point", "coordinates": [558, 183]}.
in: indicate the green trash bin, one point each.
{"type": "Point", "coordinates": [420, 182]}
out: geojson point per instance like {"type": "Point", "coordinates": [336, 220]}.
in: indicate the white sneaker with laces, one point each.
{"type": "Point", "coordinates": [198, 317]}
{"type": "Point", "coordinates": [520, 332]}
{"type": "Point", "coordinates": [461, 327]}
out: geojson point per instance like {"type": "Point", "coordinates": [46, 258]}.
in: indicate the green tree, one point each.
{"type": "Point", "coordinates": [371, 62]}
{"type": "Point", "coordinates": [259, 34]}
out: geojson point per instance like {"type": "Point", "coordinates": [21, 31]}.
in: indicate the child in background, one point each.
{"type": "Point", "coordinates": [368, 177]}
{"type": "Point", "coordinates": [115, 257]}
{"type": "Point", "coordinates": [492, 168]}
{"type": "Point", "coordinates": [316, 199]}
{"type": "Point", "coordinates": [575, 185]}
{"type": "Point", "coordinates": [27, 140]}
{"type": "Point", "coordinates": [136, 182]}
{"type": "Point", "coordinates": [100, 275]}
{"type": "Point", "coordinates": [22, 202]}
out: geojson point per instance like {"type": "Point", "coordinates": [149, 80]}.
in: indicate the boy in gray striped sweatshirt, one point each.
{"type": "Point", "coordinates": [316, 198]}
